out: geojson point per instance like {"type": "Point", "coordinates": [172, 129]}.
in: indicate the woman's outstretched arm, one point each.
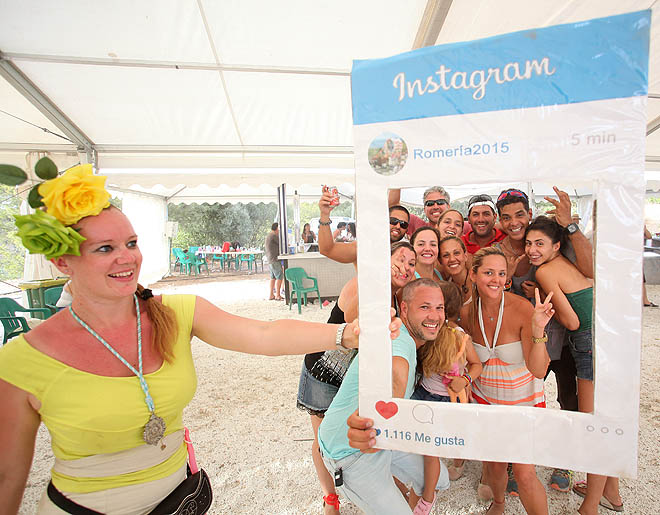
{"type": "Point", "coordinates": [224, 330]}
{"type": "Point", "coordinates": [18, 431]}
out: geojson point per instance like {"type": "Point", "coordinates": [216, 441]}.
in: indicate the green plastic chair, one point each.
{"type": "Point", "coordinates": [51, 296]}
{"type": "Point", "coordinates": [13, 326]}
{"type": "Point", "coordinates": [196, 263]}
{"type": "Point", "coordinates": [9, 308]}
{"type": "Point", "coordinates": [247, 258]}
{"type": "Point", "coordinates": [221, 258]}
{"type": "Point", "coordinates": [235, 260]}
{"type": "Point", "coordinates": [183, 260]}
{"type": "Point", "coordinates": [296, 276]}
{"type": "Point", "coordinates": [176, 252]}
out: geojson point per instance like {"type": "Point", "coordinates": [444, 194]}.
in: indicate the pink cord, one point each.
{"type": "Point", "coordinates": [192, 462]}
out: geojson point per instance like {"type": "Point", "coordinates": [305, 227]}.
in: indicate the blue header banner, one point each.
{"type": "Point", "coordinates": [578, 62]}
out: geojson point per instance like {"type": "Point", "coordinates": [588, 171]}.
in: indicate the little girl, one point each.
{"type": "Point", "coordinates": [443, 364]}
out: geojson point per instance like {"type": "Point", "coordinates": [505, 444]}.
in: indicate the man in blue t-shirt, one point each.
{"type": "Point", "coordinates": [367, 478]}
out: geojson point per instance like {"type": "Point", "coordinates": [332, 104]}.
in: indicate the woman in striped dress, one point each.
{"type": "Point", "coordinates": [509, 338]}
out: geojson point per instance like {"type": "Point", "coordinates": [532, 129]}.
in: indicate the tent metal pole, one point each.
{"type": "Point", "coordinates": [37, 98]}
{"type": "Point", "coordinates": [653, 125]}
{"type": "Point", "coordinates": [235, 149]}
{"type": "Point", "coordinates": [431, 23]}
{"type": "Point", "coordinates": [174, 65]}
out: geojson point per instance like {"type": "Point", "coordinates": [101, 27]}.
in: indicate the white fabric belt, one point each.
{"type": "Point", "coordinates": [122, 462]}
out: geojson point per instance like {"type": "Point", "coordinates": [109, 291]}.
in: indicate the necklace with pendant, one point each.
{"type": "Point", "coordinates": [154, 429]}
{"type": "Point", "coordinates": [464, 287]}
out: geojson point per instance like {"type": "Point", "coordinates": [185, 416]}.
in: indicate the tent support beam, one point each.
{"type": "Point", "coordinates": [431, 23]}
{"type": "Point", "coordinates": [223, 149]}
{"type": "Point", "coordinates": [653, 125]}
{"type": "Point", "coordinates": [34, 95]}
{"type": "Point", "coordinates": [173, 65]}
{"type": "Point", "coordinates": [37, 147]}
{"type": "Point", "coordinates": [167, 199]}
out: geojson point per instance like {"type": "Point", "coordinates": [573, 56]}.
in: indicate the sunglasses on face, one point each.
{"type": "Point", "coordinates": [511, 193]}
{"type": "Point", "coordinates": [439, 202]}
{"type": "Point", "coordinates": [400, 223]}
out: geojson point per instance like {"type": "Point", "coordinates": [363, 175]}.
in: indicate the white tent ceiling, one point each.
{"type": "Point", "coordinates": [212, 95]}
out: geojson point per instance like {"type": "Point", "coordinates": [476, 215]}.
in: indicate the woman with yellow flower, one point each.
{"type": "Point", "coordinates": [110, 376]}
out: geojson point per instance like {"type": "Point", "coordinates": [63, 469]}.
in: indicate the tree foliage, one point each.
{"type": "Point", "coordinates": [12, 253]}
{"type": "Point", "coordinates": [204, 224]}
{"type": "Point", "coordinates": [309, 210]}
{"type": "Point", "coordinates": [248, 224]}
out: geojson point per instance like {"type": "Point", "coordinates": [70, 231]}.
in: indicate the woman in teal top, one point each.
{"type": "Point", "coordinates": [573, 303]}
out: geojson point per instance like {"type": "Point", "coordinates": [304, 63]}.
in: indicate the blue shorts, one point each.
{"type": "Point", "coordinates": [581, 345]}
{"type": "Point", "coordinates": [422, 394]}
{"type": "Point", "coordinates": [368, 479]}
{"type": "Point", "coordinates": [314, 396]}
{"type": "Point", "coordinates": [275, 270]}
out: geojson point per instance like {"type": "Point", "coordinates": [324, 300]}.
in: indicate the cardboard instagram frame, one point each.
{"type": "Point", "coordinates": [558, 105]}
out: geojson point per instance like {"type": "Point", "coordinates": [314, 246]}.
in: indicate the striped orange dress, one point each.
{"type": "Point", "coordinates": [505, 379]}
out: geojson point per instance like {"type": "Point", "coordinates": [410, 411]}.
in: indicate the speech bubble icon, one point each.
{"type": "Point", "coordinates": [423, 413]}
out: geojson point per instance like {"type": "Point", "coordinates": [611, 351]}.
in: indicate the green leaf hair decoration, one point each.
{"type": "Point", "coordinates": [12, 175]}
{"type": "Point", "coordinates": [34, 197]}
{"type": "Point", "coordinates": [45, 169]}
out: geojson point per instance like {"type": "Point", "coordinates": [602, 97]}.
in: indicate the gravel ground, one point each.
{"type": "Point", "coordinates": [255, 444]}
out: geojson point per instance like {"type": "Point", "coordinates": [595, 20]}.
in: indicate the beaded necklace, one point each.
{"type": "Point", "coordinates": [154, 429]}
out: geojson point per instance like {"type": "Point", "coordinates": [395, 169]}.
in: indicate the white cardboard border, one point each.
{"type": "Point", "coordinates": [540, 140]}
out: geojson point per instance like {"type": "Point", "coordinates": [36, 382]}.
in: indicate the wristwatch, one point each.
{"type": "Point", "coordinates": [542, 339]}
{"type": "Point", "coordinates": [572, 228]}
{"type": "Point", "coordinates": [338, 338]}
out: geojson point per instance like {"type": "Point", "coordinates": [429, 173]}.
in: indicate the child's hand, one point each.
{"type": "Point", "coordinates": [457, 383]}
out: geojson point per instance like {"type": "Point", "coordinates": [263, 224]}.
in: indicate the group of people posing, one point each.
{"type": "Point", "coordinates": [489, 307]}
{"type": "Point", "coordinates": [110, 375]}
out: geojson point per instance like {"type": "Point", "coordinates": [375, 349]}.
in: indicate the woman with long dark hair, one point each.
{"type": "Point", "coordinates": [308, 235]}
{"type": "Point", "coordinates": [456, 265]}
{"type": "Point", "coordinates": [573, 300]}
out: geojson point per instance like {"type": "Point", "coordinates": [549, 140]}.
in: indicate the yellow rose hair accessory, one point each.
{"type": "Point", "coordinates": [75, 194]}
{"type": "Point", "coordinates": [67, 199]}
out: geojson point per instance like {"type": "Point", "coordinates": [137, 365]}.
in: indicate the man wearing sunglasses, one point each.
{"type": "Point", "coordinates": [482, 217]}
{"type": "Point", "coordinates": [436, 202]}
{"type": "Point", "coordinates": [399, 222]}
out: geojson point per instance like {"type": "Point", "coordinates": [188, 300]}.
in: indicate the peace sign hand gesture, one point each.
{"type": "Point", "coordinates": [543, 311]}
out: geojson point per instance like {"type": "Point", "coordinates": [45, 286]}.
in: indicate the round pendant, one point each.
{"type": "Point", "coordinates": [465, 289]}
{"type": "Point", "coordinates": [154, 430]}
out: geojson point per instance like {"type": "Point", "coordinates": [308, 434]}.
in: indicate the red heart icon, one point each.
{"type": "Point", "coordinates": [386, 409]}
